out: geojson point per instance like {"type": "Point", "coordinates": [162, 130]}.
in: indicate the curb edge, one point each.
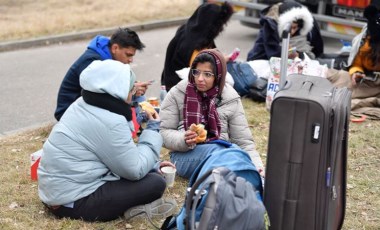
{"type": "Point", "coordinates": [74, 36]}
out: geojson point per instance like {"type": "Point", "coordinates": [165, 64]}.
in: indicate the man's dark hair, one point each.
{"type": "Point", "coordinates": [125, 37]}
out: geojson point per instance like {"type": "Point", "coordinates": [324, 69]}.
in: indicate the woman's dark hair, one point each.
{"type": "Point", "coordinates": [372, 14]}
{"type": "Point", "coordinates": [203, 58]}
{"type": "Point", "coordinates": [125, 37]}
{"type": "Point", "coordinates": [210, 19]}
{"type": "Point", "coordinates": [299, 23]}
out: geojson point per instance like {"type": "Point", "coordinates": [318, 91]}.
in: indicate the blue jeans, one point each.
{"type": "Point", "coordinates": [187, 162]}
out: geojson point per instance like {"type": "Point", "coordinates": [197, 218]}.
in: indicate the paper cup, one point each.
{"type": "Point", "coordinates": [169, 175]}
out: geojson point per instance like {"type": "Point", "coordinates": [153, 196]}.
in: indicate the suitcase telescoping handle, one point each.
{"type": "Point", "coordinates": [284, 55]}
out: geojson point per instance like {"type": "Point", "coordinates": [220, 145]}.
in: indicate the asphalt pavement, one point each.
{"type": "Point", "coordinates": [30, 77]}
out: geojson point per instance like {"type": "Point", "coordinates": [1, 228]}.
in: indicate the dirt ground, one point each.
{"type": "Point", "coordinates": [23, 19]}
{"type": "Point", "coordinates": [20, 207]}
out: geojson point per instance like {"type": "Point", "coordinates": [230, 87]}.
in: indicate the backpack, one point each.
{"type": "Point", "coordinates": [244, 76]}
{"type": "Point", "coordinates": [258, 90]}
{"type": "Point", "coordinates": [230, 197]}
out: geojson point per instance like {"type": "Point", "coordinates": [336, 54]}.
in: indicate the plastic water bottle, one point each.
{"type": "Point", "coordinates": [346, 48]}
{"type": "Point", "coordinates": [163, 93]}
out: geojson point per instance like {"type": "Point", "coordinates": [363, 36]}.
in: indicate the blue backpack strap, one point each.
{"type": "Point", "coordinates": [190, 199]}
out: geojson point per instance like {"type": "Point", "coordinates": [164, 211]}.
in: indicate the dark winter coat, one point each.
{"type": "Point", "coordinates": [70, 90]}
{"type": "Point", "coordinates": [268, 43]}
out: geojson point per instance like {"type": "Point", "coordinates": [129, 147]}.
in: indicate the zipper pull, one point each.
{"type": "Point", "coordinates": [328, 177]}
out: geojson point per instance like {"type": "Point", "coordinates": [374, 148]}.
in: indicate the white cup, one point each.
{"type": "Point", "coordinates": [169, 175]}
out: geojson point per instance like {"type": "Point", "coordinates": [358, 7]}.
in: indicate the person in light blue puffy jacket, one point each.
{"type": "Point", "coordinates": [91, 168]}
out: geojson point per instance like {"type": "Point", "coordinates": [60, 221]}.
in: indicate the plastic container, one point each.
{"type": "Point", "coordinates": [163, 93]}
{"type": "Point", "coordinates": [34, 162]}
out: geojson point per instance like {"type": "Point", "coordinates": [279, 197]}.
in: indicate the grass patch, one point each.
{"type": "Point", "coordinates": [20, 207]}
{"type": "Point", "coordinates": [23, 19]}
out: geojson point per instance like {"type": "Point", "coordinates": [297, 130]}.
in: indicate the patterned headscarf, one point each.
{"type": "Point", "coordinates": [200, 107]}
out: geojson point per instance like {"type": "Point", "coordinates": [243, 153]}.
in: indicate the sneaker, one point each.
{"type": "Point", "coordinates": [160, 208]}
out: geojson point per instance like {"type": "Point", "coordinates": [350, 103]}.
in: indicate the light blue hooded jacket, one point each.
{"type": "Point", "coordinates": [90, 145]}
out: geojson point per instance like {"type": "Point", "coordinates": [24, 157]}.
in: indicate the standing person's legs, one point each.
{"type": "Point", "coordinates": [112, 199]}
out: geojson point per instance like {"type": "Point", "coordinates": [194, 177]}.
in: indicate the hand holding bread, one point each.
{"type": "Point", "coordinates": [149, 110]}
{"type": "Point", "coordinates": [201, 132]}
{"type": "Point", "coordinates": [147, 107]}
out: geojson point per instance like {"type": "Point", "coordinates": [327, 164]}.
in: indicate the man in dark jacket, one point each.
{"type": "Point", "coordinates": [272, 20]}
{"type": "Point", "coordinates": [121, 47]}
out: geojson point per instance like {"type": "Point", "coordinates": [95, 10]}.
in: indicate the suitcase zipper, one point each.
{"type": "Point", "coordinates": [339, 97]}
{"type": "Point", "coordinates": [330, 143]}
{"type": "Point", "coordinates": [328, 177]}
{"type": "Point", "coordinates": [337, 114]}
{"type": "Point", "coordinates": [328, 166]}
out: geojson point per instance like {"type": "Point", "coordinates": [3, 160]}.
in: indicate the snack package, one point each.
{"type": "Point", "coordinates": [235, 54]}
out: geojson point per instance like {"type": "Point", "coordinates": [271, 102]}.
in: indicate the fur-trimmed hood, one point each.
{"type": "Point", "coordinates": [295, 14]}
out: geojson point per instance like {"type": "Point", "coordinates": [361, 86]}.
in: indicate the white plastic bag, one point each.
{"type": "Point", "coordinates": [306, 67]}
{"type": "Point", "coordinates": [313, 68]}
{"type": "Point", "coordinates": [261, 68]}
{"type": "Point", "coordinates": [274, 78]}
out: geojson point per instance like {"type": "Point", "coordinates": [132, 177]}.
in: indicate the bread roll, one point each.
{"type": "Point", "coordinates": [200, 130]}
{"type": "Point", "coordinates": [147, 107]}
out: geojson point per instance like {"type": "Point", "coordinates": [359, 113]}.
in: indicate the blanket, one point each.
{"type": "Point", "coordinates": [365, 95]}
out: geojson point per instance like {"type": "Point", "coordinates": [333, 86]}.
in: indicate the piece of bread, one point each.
{"type": "Point", "coordinates": [200, 130]}
{"type": "Point", "coordinates": [147, 107]}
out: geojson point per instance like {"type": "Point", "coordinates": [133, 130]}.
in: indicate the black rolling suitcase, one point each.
{"type": "Point", "coordinates": [305, 185]}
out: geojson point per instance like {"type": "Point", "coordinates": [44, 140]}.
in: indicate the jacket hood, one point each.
{"type": "Point", "coordinates": [100, 45]}
{"type": "Point", "coordinates": [294, 14]}
{"type": "Point", "coordinates": [271, 12]}
{"type": "Point", "coordinates": [108, 76]}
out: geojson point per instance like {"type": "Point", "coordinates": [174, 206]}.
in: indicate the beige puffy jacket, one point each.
{"type": "Point", "coordinates": [231, 113]}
